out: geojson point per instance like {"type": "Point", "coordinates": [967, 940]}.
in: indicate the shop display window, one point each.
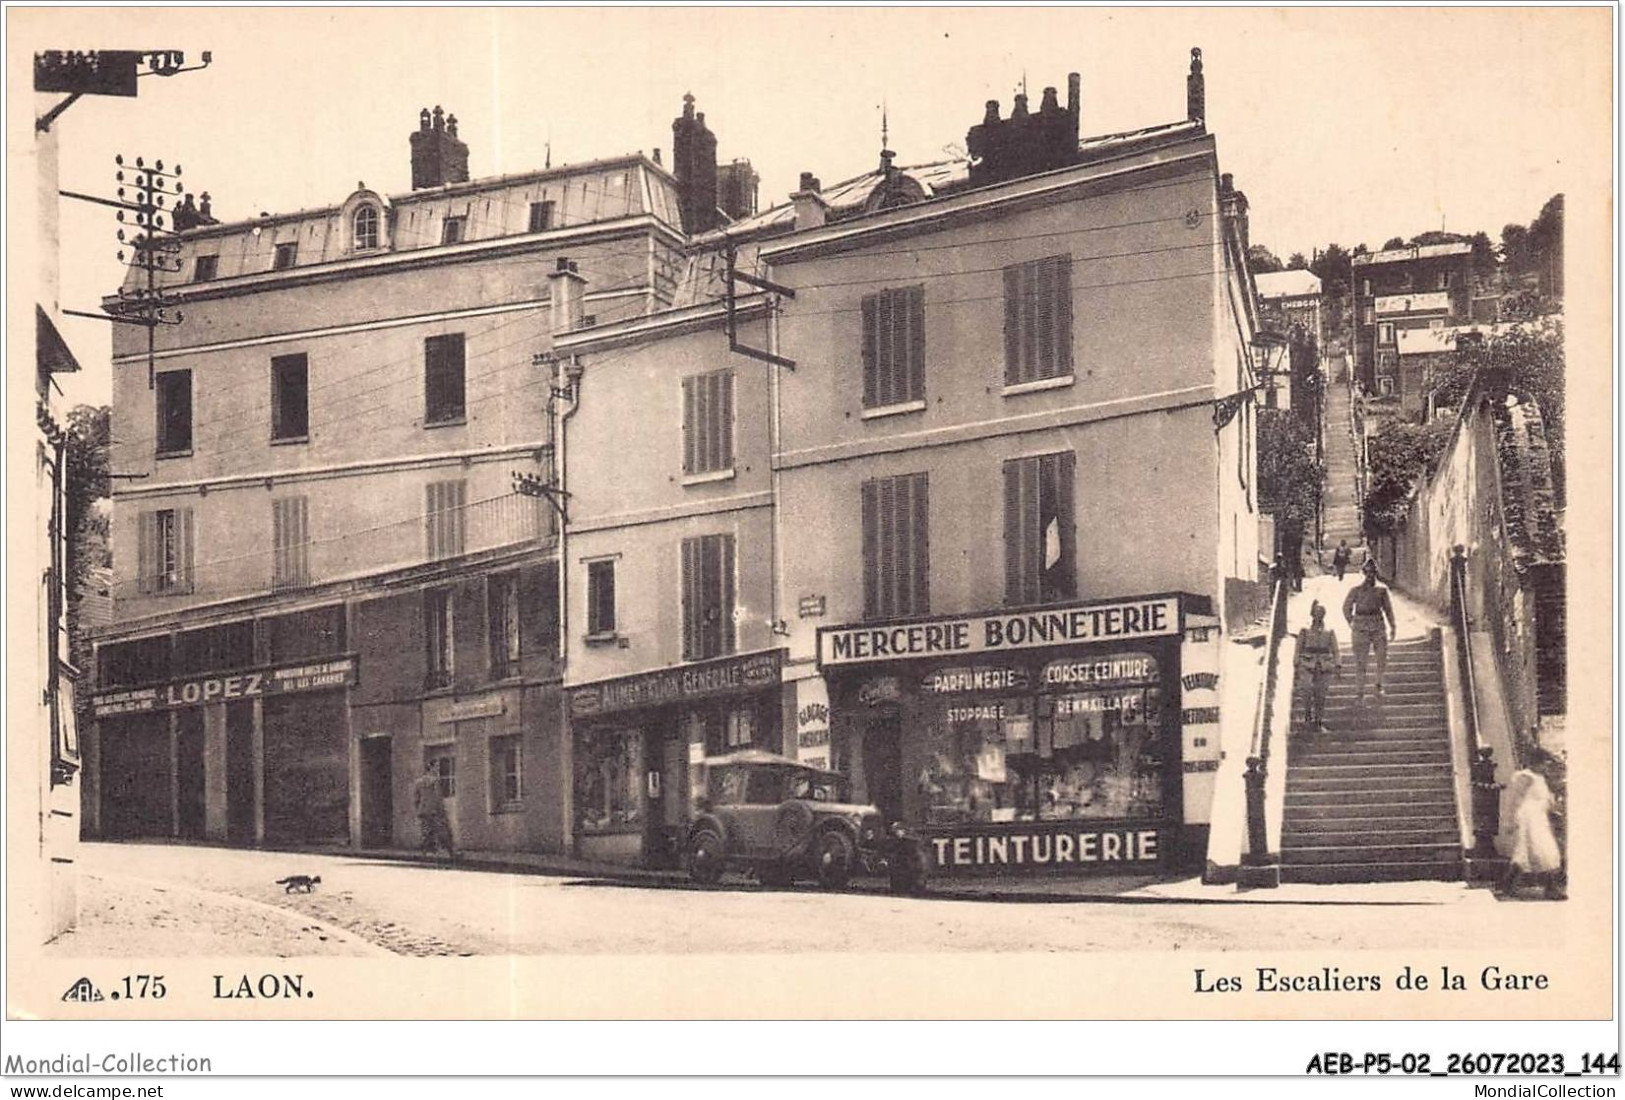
{"type": "Point", "coordinates": [609, 781]}
{"type": "Point", "coordinates": [992, 759]}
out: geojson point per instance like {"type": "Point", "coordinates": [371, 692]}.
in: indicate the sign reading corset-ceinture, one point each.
{"type": "Point", "coordinates": [252, 684]}
{"type": "Point", "coordinates": [1101, 622]}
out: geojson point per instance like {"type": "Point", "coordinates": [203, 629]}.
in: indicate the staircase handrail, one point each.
{"type": "Point", "coordinates": [1486, 792]}
{"type": "Point", "coordinates": [1263, 719]}
{"type": "Point", "coordinates": [1357, 441]}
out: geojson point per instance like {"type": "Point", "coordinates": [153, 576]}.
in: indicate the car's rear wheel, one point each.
{"type": "Point", "coordinates": [705, 857]}
{"type": "Point", "coordinates": [833, 855]}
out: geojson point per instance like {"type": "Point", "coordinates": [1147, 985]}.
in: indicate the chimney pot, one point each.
{"type": "Point", "coordinates": [657, 154]}
{"type": "Point", "coordinates": [992, 114]}
{"type": "Point", "coordinates": [809, 183]}
{"type": "Point", "coordinates": [1050, 104]}
{"type": "Point", "coordinates": [1074, 94]}
{"type": "Point", "coordinates": [1195, 89]}
{"type": "Point", "coordinates": [423, 119]}
{"type": "Point", "coordinates": [1020, 109]}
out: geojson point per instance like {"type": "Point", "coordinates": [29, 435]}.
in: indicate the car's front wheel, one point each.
{"type": "Point", "coordinates": [705, 857]}
{"type": "Point", "coordinates": [834, 859]}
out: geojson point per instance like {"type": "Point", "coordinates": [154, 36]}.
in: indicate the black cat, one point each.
{"type": "Point", "coordinates": [304, 884]}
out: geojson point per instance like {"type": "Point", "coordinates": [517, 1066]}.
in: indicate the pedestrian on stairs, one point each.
{"type": "Point", "coordinates": [1317, 664]}
{"type": "Point", "coordinates": [1340, 557]}
{"type": "Point", "coordinates": [1366, 607]}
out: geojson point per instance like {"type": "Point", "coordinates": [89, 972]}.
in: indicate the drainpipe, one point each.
{"type": "Point", "coordinates": [570, 394]}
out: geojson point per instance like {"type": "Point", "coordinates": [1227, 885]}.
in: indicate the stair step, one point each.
{"type": "Point", "coordinates": [1363, 806]}
{"type": "Point", "coordinates": [1373, 853]}
{"type": "Point", "coordinates": [1337, 761]}
{"type": "Point", "coordinates": [1319, 771]}
{"type": "Point", "coordinates": [1434, 736]}
{"type": "Point", "coordinates": [1444, 833]}
{"type": "Point", "coordinates": [1324, 751]}
{"type": "Point", "coordinates": [1430, 781]}
{"type": "Point", "coordinates": [1432, 871]}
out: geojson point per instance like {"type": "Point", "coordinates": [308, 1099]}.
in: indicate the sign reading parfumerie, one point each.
{"type": "Point", "coordinates": [1101, 622]}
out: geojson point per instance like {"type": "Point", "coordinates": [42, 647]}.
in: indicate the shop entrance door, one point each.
{"type": "Point", "coordinates": [377, 792]}
{"type": "Point", "coordinates": [883, 764]}
{"type": "Point", "coordinates": [665, 794]}
{"type": "Point", "coordinates": [189, 775]}
{"type": "Point", "coordinates": [240, 794]}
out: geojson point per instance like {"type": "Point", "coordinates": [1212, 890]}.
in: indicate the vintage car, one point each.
{"type": "Point", "coordinates": [782, 820]}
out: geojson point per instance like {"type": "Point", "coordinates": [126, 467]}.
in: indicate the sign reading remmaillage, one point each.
{"type": "Point", "coordinates": [1101, 622]}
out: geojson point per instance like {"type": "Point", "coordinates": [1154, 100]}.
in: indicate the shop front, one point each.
{"type": "Point", "coordinates": [639, 742]}
{"type": "Point", "coordinates": [1034, 741]}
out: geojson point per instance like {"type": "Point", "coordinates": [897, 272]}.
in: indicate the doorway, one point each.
{"type": "Point", "coordinates": [665, 794]}
{"type": "Point", "coordinates": [883, 762]}
{"type": "Point", "coordinates": [190, 814]}
{"type": "Point", "coordinates": [377, 792]}
{"type": "Point", "coordinates": [241, 797]}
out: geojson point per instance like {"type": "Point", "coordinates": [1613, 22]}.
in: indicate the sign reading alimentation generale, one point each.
{"type": "Point", "coordinates": [250, 684]}
{"type": "Point", "coordinates": [1097, 622]}
{"type": "Point", "coordinates": [727, 676]}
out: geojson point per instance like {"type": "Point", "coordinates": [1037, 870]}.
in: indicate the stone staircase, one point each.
{"type": "Point", "coordinates": [1340, 507]}
{"type": "Point", "coordinates": [1373, 799]}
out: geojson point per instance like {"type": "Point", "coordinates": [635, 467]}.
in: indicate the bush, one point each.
{"type": "Point", "coordinates": [1397, 457]}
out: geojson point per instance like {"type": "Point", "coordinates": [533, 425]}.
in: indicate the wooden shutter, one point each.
{"type": "Point", "coordinates": [920, 537]}
{"type": "Point", "coordinates": [1012, 324]}
{"type": "Point", "coordinates": [871, 549]}
{"type": "Point", "coordinates": [725, 419]}
{"type": "Point", "coordinates": [1065, 466]}
{"type": "Point", "coordinates": [692, 611]}
{"type": "Point", "coordinates": [1063, 316]}
{"type": "Point", "coordinates": [290, 535]}
{"type": "Point", "coordinates": [183, 549]}
{"type": "Point", "coordinates": [871, 368]}
{"type": "Point", "coordinates": [915, 390]}
{"type": "Point", "coordinates": [1021, 531]}
{"type": "Point", "coordinates": [725, 593]}
{"type": "Point", "coordinates": [691, 442]}
{"type": "Point", "coordinates": [147, 556]}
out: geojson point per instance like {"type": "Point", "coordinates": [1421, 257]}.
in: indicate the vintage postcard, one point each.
{"type": "Point", "coordinates": [938, 513]}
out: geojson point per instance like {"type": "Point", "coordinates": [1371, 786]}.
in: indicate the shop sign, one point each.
{"type": "Point", "coordinates": [810, 607]}
{"type": "Point", "coordinates": [1046, 846]}
{"type": "Point", "coordinates": [286, 680]}
{"type": "Point", "coordinates": [954, 681]}
{"type": "Point", "coordinates": [1100, 622]}
{"type": "Point", "coordinates": [1119, 670]}
{"type": "Point", "coordinates": [728, 676]}
{"type": "Point", "coordinates": [474, 708]}
{"type": "Point", "coordinates": [880, 689]}
{"type": "Point", "coordinates": [812, 720]}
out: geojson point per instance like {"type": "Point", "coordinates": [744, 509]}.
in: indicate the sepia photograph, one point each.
{"type": "Point", "coordinates": [687, 513]}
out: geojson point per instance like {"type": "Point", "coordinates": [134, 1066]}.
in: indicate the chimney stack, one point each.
{"type": "Point", "coordinates": [1195, 90]}
{"type": "Point", "coordinates": [737, 188]}
{"type": "Point", "coordinates": [1028, 142]}
{"type": "Point", "coordinates": [438, 157]}
{"type": "Point", "coordinates": [810, 209]}
{"type": "Point", "coordinates": [694, 163]}
{"type": "Point", "coordinates": [567, 294]}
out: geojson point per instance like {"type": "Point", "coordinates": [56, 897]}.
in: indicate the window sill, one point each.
{"type": "Point", "coordinates": [161, 455]}
{"type": "Point", "coordinates": [1040, 385]}
{"type": "Point", "coordinates": [457, 423]}
{"type": "Point", "coordinates": [600, 639]}
{"type": "Point", "coordinates": [898, 409]}
{"type": "Point", "coordinates": [288, 440]}
{"type": "Point", "coordinates": [508, 808]}
{"type": "Point", "coordinates": [439, 689]}
{"type": "Point", "coordinates": [709, 476]}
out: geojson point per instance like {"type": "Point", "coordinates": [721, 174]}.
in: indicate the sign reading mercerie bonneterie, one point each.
{"type": "Point", "coordinates": [1102, 622]}
{"type": "Point", "coordinates": [316, 676]}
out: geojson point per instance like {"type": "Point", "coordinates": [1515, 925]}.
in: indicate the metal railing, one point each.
{"type": "Point", "coordinates": [1486, 792]}
{"type": "Point", "coordinates": [1258, 755]}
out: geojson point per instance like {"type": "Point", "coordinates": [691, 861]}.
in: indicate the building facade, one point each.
{"type": "Point", "coordinates": [329, 575]}
{"type": "Point", "coordinates": [1427, 286]}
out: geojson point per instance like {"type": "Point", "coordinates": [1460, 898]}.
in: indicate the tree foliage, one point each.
{"type": "Point", "coordinates": [1525, 361]}
{"type": "Point", "coordinates": [86, 486]}
{"type": "Point", "coordinates": [1398, 455]}
{"type": "Point", "coordinates": [1297, 262]}
{"type": "Point", "coordinates": [1289, 476]}
{"type": "Point", "coordinates": [1261, 261]}
{"type": "Point", "coordinates": [1392, 243]}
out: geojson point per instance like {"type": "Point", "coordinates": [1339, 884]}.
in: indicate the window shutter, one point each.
{"type": "Point", "coordinates": [1022, 538]}
{"type": "Point", "coordinates": [1065, 466]}
{"type": "Point", "coordinates": [1063, 315]}
{"type": "Point", "coordinates": [1012, 325]}
{"type": "Point", "coordinates": [871, 397]}
{"type": "Point", "coordinates": [147, 553]}
{"type": "Point", "coordinates": [725, 419]}
{"type": "Point", "coordinates": [1041, 362]}
{"type": "Point", "coordinates": [888, 547]}
{"type": "Point", "coordinates": [183, 541]}
{"type": "Point", "coordinates": [916, 343]}
{"type": "Point", "coordinates": [871, 549]}
{"type": "Point", "coordinates": [691, 598]}
{"type": "Point", "coordinates": [920, 530]}
{"type": "Point", "coordinates": [725, 569]}
{"type": "Point", "coordinates": [431, 520]}
{"type": "Point", "coordinates": [887, 324]}
{"type": "Point", "coordinates": [690, 423]}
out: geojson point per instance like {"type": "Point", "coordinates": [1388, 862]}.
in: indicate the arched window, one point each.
{"type": "Point", "coordinates": [366, 227]}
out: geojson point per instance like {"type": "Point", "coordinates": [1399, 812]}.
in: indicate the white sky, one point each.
{"type": "Point", "coordinates": [1342, 124]}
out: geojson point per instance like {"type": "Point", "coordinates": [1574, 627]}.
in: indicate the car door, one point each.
{"type": "Point", "coordinates": [753, 818]}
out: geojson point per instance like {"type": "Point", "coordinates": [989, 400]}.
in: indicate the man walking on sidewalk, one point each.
{"type": "Point", "coordinates": [434, 827]}
{"type": "Point", "coordinates": [1366, 607]}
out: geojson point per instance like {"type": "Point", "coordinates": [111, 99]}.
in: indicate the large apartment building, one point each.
{"type": "Point", "coordinates": [326, 577]}
{"type": "Point", "coordinates": [1399, 289]}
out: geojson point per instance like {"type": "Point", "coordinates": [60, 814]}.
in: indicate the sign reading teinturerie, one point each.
{"type": "Point", "coordinates": [728, 676]}
{"type": "Point", "coordinates": [285, 680]}
{"type": "Point", "coordinates": [1101, 622]}
{"type": "Point", "coordinates": [1045, 845]}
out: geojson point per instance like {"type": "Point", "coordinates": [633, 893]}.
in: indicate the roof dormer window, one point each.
{"type": "Point", "coordinates": [365, 227]}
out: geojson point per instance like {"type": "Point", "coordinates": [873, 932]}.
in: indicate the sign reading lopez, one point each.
{"type": "Point", "coordinates": [1102, 622]}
